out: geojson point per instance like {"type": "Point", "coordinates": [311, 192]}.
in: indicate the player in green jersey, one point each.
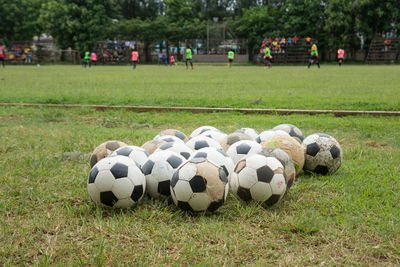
{"type": "Point", "coordinates": [188, 57]}
{"type": "Point", "coordinates": [231, 57]}
{"type": "Point", "coordinates": [314, 55]}
{"type": "Point", "coordinates": [267, 57]}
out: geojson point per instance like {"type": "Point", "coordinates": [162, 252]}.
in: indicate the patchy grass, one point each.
{"type": "Point", "coordinates": [47, 218]}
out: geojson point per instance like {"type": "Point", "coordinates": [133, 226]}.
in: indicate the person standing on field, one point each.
{"type": "Point", "coordinates": [314, 55]}
{"type": "Point", "coordinates": [231, 57]}
{"type": "Point", "coordinates": [93, 59]}
{"type": "Point", "coordinates": [340, 56]}
{"type": "Point", "coordinates": [2, 54]}
{"type": "Point", "coordinates": [135, 58]}
{"type": "Point", "coordinates": [188, 57]}
{"type": "Point", "coordinates": [267, 57]}
{"type": "Point", "coordinates": [172, 60]}
{"type": "Point", "coordinates": [86, 59]}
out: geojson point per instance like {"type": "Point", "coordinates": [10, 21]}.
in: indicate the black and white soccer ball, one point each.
{"type": "Point", "coordinates": [265, 135]}
{"type": "Point", "coordinates": [200, 141]}
{"type": "Point", "coordinates": [203, 129]}
{"type": "Point", "coordinates": [138, 154]}
{"type": "Point", "coordinates": [177, 147]}
{"type": "Point", "coordinates": [173, 132]}
{"type": "Point", "coordinates": [116, 181]}
{"type": "Point", "coordinates": [292, 130]}
{"type": "Point", "coordinates": [259, 178]}
{"type": "Point", "coordinates": [217, 156]}
{"type": "Point", "coordinates": [240, 149]}
{"type": "Point", "coordinates": [253, 133]}
{"type": "Point", "coordinates": [232, 138]}
{"type": "Point", "coordinates": [199, 185]}
{"type": "Point", "coordinates": [323, 154]}
{"type": "Point", "coordinates": [168, 138]}
{"type": "Point", "coordinates": [158, 171]}
{"type": "Point", "coordinates": [216, 135]}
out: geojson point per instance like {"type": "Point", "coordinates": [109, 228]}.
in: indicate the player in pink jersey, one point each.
{"type": "Point", "coordinates": [135, 58]}
{"type": "Point", "coordinates": [340, 53]}
{"type": "Point", "coordinates": [93, 59]}
{"type": "Point", "coordinates": [172, 60]}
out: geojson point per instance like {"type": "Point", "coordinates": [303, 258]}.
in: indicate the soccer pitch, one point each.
{"type": "Point", "coordinates": [47, 218]}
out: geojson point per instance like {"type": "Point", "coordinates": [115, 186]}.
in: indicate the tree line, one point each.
{"type": "Point", "coordinates": [79, 24]}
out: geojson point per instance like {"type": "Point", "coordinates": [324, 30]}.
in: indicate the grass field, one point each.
{"type": "Point", "coordinates": [47, 218]}
{"type": "Point", "coordinates": [349, 87]}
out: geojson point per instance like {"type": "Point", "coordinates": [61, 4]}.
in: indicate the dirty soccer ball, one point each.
{"type": "Point", "coordinates": [259, 178]}
{"type": "Point", "coordinates": [138, 154]}
{"type": "Point", "coordinates": [104, 150]}
{"type": "Point", "coordinates": [116, 181]}
{"type": "Point", "coordinates": [158, 170]}
{"type": "Point", "coordinates": [249, 131]}
{"type": "Point", "coordinates": [292, 130]}
{"type": "Point", "coordinates": [323, 154]}
{"type": "Point", "coordinates": [232, 138]}
{"type": "Point", "coordinates": [177, 147]}
{"type": "Point", "coordinates": [152, 145]}
{"type": "Point", "coordinates": [200, 141]}
{"type": "Point", "coordinates": [199, 185]}
{"type": "Point", "coordinates": [173, 132]}
{"type": "Point", "coordinates": [240, 149]}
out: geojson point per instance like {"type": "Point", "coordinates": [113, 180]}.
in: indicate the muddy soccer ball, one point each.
{"type": "Point", "coordinates": [232, 138]}
{"type": "Point", "coordinates": [104, 150]}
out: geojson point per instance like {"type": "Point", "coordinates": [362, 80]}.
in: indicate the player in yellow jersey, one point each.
{"type": "Point", "coordinates": [231, 57]}
{"type": "Point", "coordinates": [314, 55]}
{"type": "Point", "coordinates": [188, 57]}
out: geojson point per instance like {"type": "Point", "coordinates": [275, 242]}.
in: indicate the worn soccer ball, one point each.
{"type": "Point", "coordinates": [200, 141]}
{"type": "Point", "coordinates": [137, 154]}
{"type": "Point", "coordinates": [249, 131]}
{"type": "Point", "coordinates": [168, 138]}
{"type": "Point", "coordinates": [173, 132]}
{"type": "Point", "coordinates": [290, 146]}
{"type": "Point", "coordinates": [104, 150]}
{"type": "Point", "coordinates": [232, 138]}
{"type": "Point", "coordinates": [216, 135]}
{"type": "Point", "coordinates": [199, 185]}
{"type": "Point", "coordinates": [240, 149]}
{"type": "Point", "coordinates": [217, 156]}
{"type": "Point", "coordinates": [201, 130]}
{"type": "Point", "coordinates": [268, 134]}
{"type": "Point", "coordinates": [259, 178]}
{"type": "Point", "coordinates": [323, 154]}
{"type": "Point", "coordinates": [116, 181]}
{"type": "Point", "coordinates": [158, 170]}
{"type": "Point", "coordinates": [151, 145]}
{"type": "Point", "coordinates": [285, 159]}
{"type": "Point", "coordinates": [292, 130]}
{"type": "Point", "coordinates": [177, 147]}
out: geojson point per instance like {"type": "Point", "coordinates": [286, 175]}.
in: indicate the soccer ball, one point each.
{"type": "Point", "coordinates": [259, 178]}
{"type": "Point", "coordinates": [116, 181]}
{"type": "Point", "coordinates": [152, 145]}
{"type": "Point", "coordinates": [284, 158]}
{"type": "Point", "coordinates": [199, 185]}
{"type": "Point", "coordinates": [233, 138]}
{"type": "Point", "coordinates": [217, 156]}
{"type": "Point", "coordinates": [138, 154]}
{"type": "Point", "coordinates": [202, 129]}
{"type": "Point", "coordinates": [249, 131]}
{"type": "Point", "coordinates": [240, 149]}
{"type": "Point", "coordinates": [158, 170]}
{"type": "Point", "coordinates": [104, 150]}
{"type": "Point", "coordinates": [200, 141]}
{"type": "Point", "coordinates": [292, 130]}
{"type": "Point", "coordinates": [168, 138]}
{"type": "Point", "coordinates": [290, 146]}
{"type": "Point", "coordinates": [268, 134]}
{"type": "Point", "coordinates": [216, 135]}
{"type": "Point", "coordinates": [177, 147]}
{"type": "Point", "coordinates": [323, 154]}
{"type": "Point", "coordinates": [173, 132]}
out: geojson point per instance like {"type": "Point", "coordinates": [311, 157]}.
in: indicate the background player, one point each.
{"type": "Point", "coordinates": [231, 57]}
{"type": "Point", "coordinates": [340, 53]}
{"type": "Point", "coordinates": [314, 55]}
{"type": "Point", "coordinates": [188, 57]}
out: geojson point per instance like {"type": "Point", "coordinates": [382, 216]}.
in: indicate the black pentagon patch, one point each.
{"type": "Point", "coordinates": [175, 178]}
{"type": "Point", "coordinates": [184, 206]}
{"type": "Point", "coordinates": [108, 198]}
{"type": "Point", "coordinates": [272, 200]}
{"type": "Point", "coordinates": [168, 139]}
{"type": "Point", "coordinates": [166, 146]}
{"type": "Point", "coordinates": [119, 170]}
{"type": "Point", "coordinates": [163, 188]}
{"type": "Point", "coordinates": [112, 146]}
{"type": "Point", "coordinates": [137, 192]}
{"type": "Point", "coordinates": [244, 194]}
{"type": "Point", "coordinates": [243, 149]}
{"type": "Point", "coordinates": [312, 149]}
{"type": "Point", "coordinates": [323, 135]}
{"type": "Point", "coordinates": [174, 161]}
{"type": "Point", "coordinates": [93, 174]}
{"type": "Point", "coordinates": [124, 151]}
{"type": "Point", "coordinates": [204, 130]}
{"type": "Point", "coordinates": [198, 184]}
{"type": "Point", "coordinates": [93, 160]}
{"type": "Point", "coordinates": [180, 135]}
{"type": "Point", "coordinates": [258, 139]}
{"type": "Point", "coordinates": [265, 174]}
{"type": "Point", "coordinates": [186, 155]}
{"type": "Point", "coordinates": [200, 155]}
{"type": "Point", "coordinates": [200, 144]}
{"type": "Point", "coordinates": [147, 167]}
{"type": "Point", "coordinates": [197, 160]}
{"type": "Point", "coordinates": [215, 205]}
{"type": "Point", "coordinates": [321, 170]}
{"type": "Point", "coordinates": [223, 174]}
{"type": "Point", "coordinates": [335, 152]}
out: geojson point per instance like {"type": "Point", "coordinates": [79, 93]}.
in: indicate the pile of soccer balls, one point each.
{"type": "Point", "coordinates": [198, 171]}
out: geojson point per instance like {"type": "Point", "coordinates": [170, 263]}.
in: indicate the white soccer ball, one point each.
{"type": "Point", "coordinates": [199, 185]}
{"type": "Point", "coordinates": [268, 134]}
{"type": "Point", "coordinates": [158, 171]}
{"type": "Point", "coordinates": [116, 181]}
{"type": "Point", "coordinates": [200, 141]}
{"type": "Point", "coordinates": [232, 138]}
{"type": "Point", "coordinates": [249, 131]}
{"type": "Point", "coordinates": [202, 129]}
{"type": "Point", "coordinates": [168, 138]}
{"type": "Point", "coordinates": [259, 178]}
{"type": "Point", "coordinates": [292, 130]}
{"type": "Point", "coordinates": [173, 132]}
{"type": "Point", "coordinates": [216, 135]}
{"type": "Point", "coordinates": [177, 147]}
{"type": "Point", "coordinates": [240, 149]}
{"type": "Point", "coordinates": [323, 154]}
{"type": "Point", "coordinates": [138, 154]}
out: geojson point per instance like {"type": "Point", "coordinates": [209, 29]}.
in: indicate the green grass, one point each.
{"type": "Point", "coordinates": [349, 87]}
{"type": "Point", "coordinates": [47, 218]}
